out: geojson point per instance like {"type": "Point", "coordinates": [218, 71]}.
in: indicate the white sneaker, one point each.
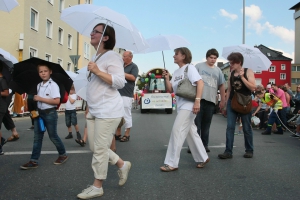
{"type": "Point", "coordinates": [90, 192]}
{"type": "Point", "coordinates": [123, 173]}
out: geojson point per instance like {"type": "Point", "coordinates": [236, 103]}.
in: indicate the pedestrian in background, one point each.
{"type": "Point", "coordinates": [71, 115]}
{"type": "Point", "coordinates": [184, 126]}
{"type": "Point", "coordinates": [131, 72]}
{"type": "Point", "coordinates": [242, 80]}
{"type": "Point", "coordinates": [213, 79]}
{"type": "Point", "coordinates": [3, 107]}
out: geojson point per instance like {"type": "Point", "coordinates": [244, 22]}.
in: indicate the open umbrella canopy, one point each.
{"type": "Point", "coordinates": [7, 68]}
{"type": "Point", "coordinates": [8, 5]}
{"type": "Point", "coordinates": [80, 83]}
{"type": "Point", "coordinates": [26, 77]}
{"type": "Point", "coordinates": [8, 56]}
{"type": "Point", "coordinates": [253, 58]}
{"type": "Point", "coordinates": [165, 42]}
{"type": "Point", "coordinates": [84, 17]}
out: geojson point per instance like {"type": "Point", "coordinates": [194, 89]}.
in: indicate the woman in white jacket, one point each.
{"type": "Point", "coordinates": [106, 76]}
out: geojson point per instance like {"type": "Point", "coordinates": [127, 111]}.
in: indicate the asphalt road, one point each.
{"type": "Point", "coordinates": [273, 172]}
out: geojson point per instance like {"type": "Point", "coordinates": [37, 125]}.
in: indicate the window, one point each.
{"type": "Point", "coordinates": [272, 81]}
{"type": "Point", "coordinates": [34, 19]}
{"type": "Point", "coordinates": [86, 50]}
{"type": "Point", "coordinates": [61, 5]}
{"type": "Point", "coordinates": [272, 68]}
{"type": "Point", "coordinates": [59, 61]}
{"type": "Point", "coordinates": [282, 66]}
{"type": "Point", "coordinates": [282, 76]}
{"type": "Point", "coordinates": [295, 68]}
{"type": "Point", "coordinates": [49, 29]}
{"type": "Point", "coordinates": [295, 81]}
{"type": "Point", "coordinates": [69, 66]}
{"type": "Point", "coordinates": [69, 41]}
{"type": "Point", "coordinates": [48, 57]}
{"type": "Point", "coordinates": [32, 52]}
{"type": "Point", "coordinates": [60, 35]}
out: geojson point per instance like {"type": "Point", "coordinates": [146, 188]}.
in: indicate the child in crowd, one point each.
{"type": "Point", "coordinates": [48, 97]}
{"type": "Point", "coordinates": [274, 102]}
{"type": "Point", "coordinates": [71, 115]}
{"type": "Point", "coordinates": [3, 106]}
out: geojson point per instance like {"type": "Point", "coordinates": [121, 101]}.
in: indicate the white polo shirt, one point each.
{"type": "Point", "coordinates": [48, 90]}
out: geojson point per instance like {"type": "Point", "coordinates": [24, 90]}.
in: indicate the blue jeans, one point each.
{"type": "Point", "coordinates": [70, 117]}
{"type": "Point", "coordinates": [247, 129]}
{"type": "Point", "coordinates": [203, 120]}
{"type": "Point", "coordinates": [50, 121]}
{"type": "Point", "coordinates": [282, 115]}
{"type": "Point", "coordinates": [273, 118]}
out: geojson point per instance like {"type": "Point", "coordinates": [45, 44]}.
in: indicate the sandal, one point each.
{"type": "Point", "coordinates": [12, 138]}
{"type": "Point", "coordinates": [125, 138]}
{"type": "Point", "coordinates": [118, 137]}
{"type": "Point", "coordinates": [202, 164]}
{"type": "Point", "coordinates": [80, 142]}
{"type": "Point", "coordinates": [167, 168]}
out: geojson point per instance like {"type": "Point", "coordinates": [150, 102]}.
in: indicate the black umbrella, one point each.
{"type": "Point", "coordinates": [26, 77]}
{"type": "Point", "coordinates": [7, 68]}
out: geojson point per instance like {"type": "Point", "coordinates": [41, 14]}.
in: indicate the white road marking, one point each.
{"type": "Point", "coordinates": [43, 152]}
{"type": "Point", "coordinates": [222, 145]}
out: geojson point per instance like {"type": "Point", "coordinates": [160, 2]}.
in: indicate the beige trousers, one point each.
{"type": "Point", "coordinates": [100, 135]}
{"type": "Point", "coordinates": [184, 128]}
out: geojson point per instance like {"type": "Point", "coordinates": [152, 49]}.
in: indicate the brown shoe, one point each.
{"type": "Point", "coordinates": [202, 164]}
{"type": "Point", "coordinates": [29, 165]}
{"type": "Point", "coordinates": [60, 160]}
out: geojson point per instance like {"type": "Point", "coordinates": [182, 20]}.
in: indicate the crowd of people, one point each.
{"type": "Point", "coordinates": [110, 107]}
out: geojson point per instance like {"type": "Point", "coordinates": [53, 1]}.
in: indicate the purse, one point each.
{"type": "Point", "coordinates": [185, 89]}
{"type": "Point", "coordinates": [241, 103]}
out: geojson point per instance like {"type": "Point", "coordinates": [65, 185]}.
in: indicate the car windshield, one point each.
{"type": "Point", "coordinates": [157, 84]}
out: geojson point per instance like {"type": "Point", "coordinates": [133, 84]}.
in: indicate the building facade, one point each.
{"type": "Point", "coordinates": [34, 29]}
{"type": "Point", "coordinates": [295, 79]}
{"type": "Point", "coordinates": [279, 72]}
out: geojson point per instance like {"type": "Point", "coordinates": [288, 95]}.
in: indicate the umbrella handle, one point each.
{"type": "Point", "coordinates": [163, 59]}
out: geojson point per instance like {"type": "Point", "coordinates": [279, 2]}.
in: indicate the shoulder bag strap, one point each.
{"type": "Point", "coordinates": [90, 74]}
{"type": "Point", "coordinates": [185, 71]}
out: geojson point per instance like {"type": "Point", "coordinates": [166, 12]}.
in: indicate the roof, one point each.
{"type": "Point", "coordinates": [226, 65]}
{"type": "Point", "coordinates": [272, 54]}
{"type": "Point", "coordinates": [295, 6]}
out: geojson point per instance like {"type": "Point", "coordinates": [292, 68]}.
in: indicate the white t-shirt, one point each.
{"type": "Point", "coordinates": [178, 75]}
{"type": "Point", "coordinates": [49, 90]}
{"type": "Point", "coordinates": [104, 100]}
{"type": "Point", "coordinates": [69, 105]}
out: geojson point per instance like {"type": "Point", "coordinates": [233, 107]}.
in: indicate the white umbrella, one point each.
{"type": "Point", "coordinates": [72, 75]}
{"type": "Point", "coordinates": [253, 57]}
{"type": "Point", "coordinates": [165, 42]}
{"type": "Point", "coordinates": [80, 83]}
{"type": "Point", "coordinates": [84, 17]}
{"type": "Point", "coordinates": [8, 56]}
{"type": "Point", "coordinates": [8, 5]}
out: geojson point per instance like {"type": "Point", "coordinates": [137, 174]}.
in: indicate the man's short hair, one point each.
{"type": "Point", "coordinates": [212, 52]}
